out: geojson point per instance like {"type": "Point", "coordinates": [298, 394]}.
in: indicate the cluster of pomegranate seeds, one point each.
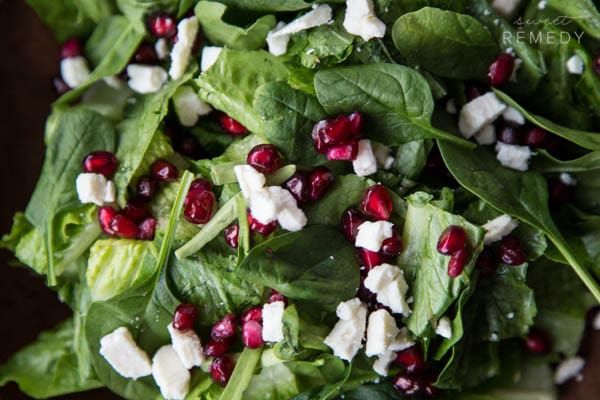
{"type": "Point", "coordinates": [185, 317]}
{"type": "Point", "coordinates": [232, 234]}
{"type": "Point", "coordinates": [72, 47]}
{"type": "Point", "coordinates": [231, 126]}
{"type": "Point", "coordinates": [338, 137]}
{"type": "Point", "coordinates": [309, 186]}
{"type": "Point", "coordinates": [537, 342]}
{"type": "Point", "coordinates": [377, 203]}
{"type": "Point", "coordinates": [299, 186]}
{"type": "Point", "coordinates": [163, 170]}
{"type": "Point", "coordinates": [265, 158]}
{"type": "Point", "coordinates": [199, 202]}
{"type": "Point", "coordinates": [224, 328]}
{"type": "Point", "coordinates": [100, 162]}
{"type": "Point", "coordinates": [501, 69]}
{"type": "Point", "coordinates": [162, 25]}
{"type": "Point", "coordinates": [221, 369]}
{"type": "Point", "coordinates": [453, 242]}
{"type": "Point", "coordinates": [145, 54]}
{"type": "Point", "coordinates": [511, 251]}
{"type": "Point", "coordinates": [260, 228]}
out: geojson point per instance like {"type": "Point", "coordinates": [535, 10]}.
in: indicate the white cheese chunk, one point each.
{"type": "Point", "coordinates": [486, 136]}
{"type": "Point", "coordinates": [113, 81]}
{"type": "Point", "coordinates": [290, 217]}
{"type": "Point", "coordinates": [188, 106]}
{"type": "Point", "coordinates": [345, 339]}
{"type": "Point", "coordinates": [187, 30]}
{"type": "Point", "coordinates": [542, 5]}
{"type": "Point", "coordinates": [513, 115]}
{"type": "Point", "coordinates": [575, 65]}
{"type": "Point", "coordinates": [74, 71]}
{"type": "Point", "coordinates": [444, 328]}
{"type": "Point", "coordinates": [110, 193]}
{"type": "Point", "coordinates": [249, 179]}
{"type": "Point", "coordinates": [513, 156]}
{"type": "Point", "coordinates": [388, 283]}
{"type": "Point", "coordinates": [498, 228]}
{"type": "Point", "coordinates": [94, 188]}
{"type": "Point", "coordinates": [382, 364]}
{"type": "Point", "coordinates": [265, 205]}
{"type": "Point", "coordinates": [171, 376]}
{"type": "Point", "coordinates": [371, 235]}
{"type": "Point", "coordinates": [479, 112]}
{"type": "Point", "coordinates": [568, 179]}
{"type": "Point", "coordinates": [569, 368]}
{"type": "Point", "coordinates": [209, 56]}
{"type": "Point", "coordinates": [346, 310]}
{"type": "Point", "coordinates": [365, 163]}
{"type": "Point", "coordinates": [360, 20]}
{"type": "Point", "coordinates": [162, 48]}
{"type": "Point", "coordinates": [451, 107]}
{"type": "Point", "coordinates": [506, 8]}
{"type": "Point", "coordinates": [381, 332]}
{"type": "Point", "coordinates": [145, 78]}
{"type": "Point", "coordinates": [187, 345]}
{"type": "Point", "coordinates": [277, 43]}
{"type": "Point", "coordinates": [272, 319]}
{"type": "Point", "coordinates": [402, 341]}
{"type": "Point", "coordinates": [123, 354]}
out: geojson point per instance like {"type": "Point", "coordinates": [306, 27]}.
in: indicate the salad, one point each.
{"type": "Point", "coordinates": [369, 199]}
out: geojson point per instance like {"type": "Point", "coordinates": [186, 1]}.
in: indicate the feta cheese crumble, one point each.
{"type": "Point", "coordinates": [122, 353]}
{"type": "Point", "coordinates": [498, 228]}
{"type": "Point", "coordinates": [162, 48]}
{"type": "Point", "coordinates": [209, 56]}
{"type": "Point", "coordinates": [290, 217]}
{"type": "Point", "coordinates": [74, 71]}
{"type": "Point", "coordinates": [345, 339]}
{"type": "Point", "coordinates": [272, 319]}
{"type": "Point", "coordinates": [249, 179]}
{"type": "Point", "coordinates": [187, 30]}
{"type": "Point", "coordinates": [365, 163]}
{"type": "Point", "coordinates": [506, 8]}
{"type": "Point", "coordinates": [486, 136]}
{"type": "Point", "coordinates": [478, 113]}
{"type": "Point", "coordinates": [513, 156]}
{"type": "Point", "coordinates": [360, 20]}
{"type": "Point", "coordinates": [569, 368]}
{"type": "Point", "coordinates": [567, 179]}
{"type": "Point", "coordinates": [451, 107]}
{"type": "Point", "coordinates": [188, 106]}
{"type": "Point", "coordinates": [513, 115]}
{"type": "Point", "coordinates": [145, 79]}
{"type": "Point", "coordinates": [278, 38]}
{"type": "Point", "coordinates": [388, 283]}
{"type": "Point", "coordinates": [171, 376]}
{"type": "Point", "coordinates": [371, 235]}
{"type": "Point", "coordinates": [381, 332]}
{"type": "Point", "coordinates": [444, 328]}
{"type": "Point", "coordinates": [187, 345]}
{"type": "Point", "coordinates": [575, 65]}
{"type": "Point", "coordinates": [94, 188]}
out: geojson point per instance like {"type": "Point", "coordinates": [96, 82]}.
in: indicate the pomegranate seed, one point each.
{"type": "Point", "coordinates": [559, 192]}
{"type": "Point", "coordinates": [147, 229]}
{"type": "Point", "coordinates": [351, 220]}
{"type": "Point", "coordinates": [253, 314]}
{"type": "Point", "coordinates": [370, 259]}
{"type": "Point", "coordinates": [500, 71]}
{"type": "Point", "coordinates": [231, 235]}
{"type": "Point", "coordinates": [356, 123]}
{"type": "Point", "coordinates": [188, 146]}
{"type": "Point", "coordinates": [276, 296]}
{"type": "Point", "coordinates": [411, 359]}
{"type": "Point", "coordinates": [452, 239]}
{"type": "Point", "coordinates": [72, 47]}
{"type": "Point", "coordinates": [535, 137]}
{"type": "Point", "coordinates": [458, 261]}
{"type": "Point", "coordinates": [474, 90]}
{"type": "Point", "coordinates": [199, 206]}
{"type": "Point", "coordinates": [264, 158]}
{"type": "Point", "coordinates": [252, 335]}
{"type": "Point", "coordinates": [392, 246]}
{"type": "Point", "coordinates": [185, 317]}
{"type": "Point", "coordinates": [162, 25]}
{"type": "Point", "coordinates": [344, 152]}
{"type": "Point", "coordinates": [299, 186]}
{"type": "Point", "coordinates": [231, 126]}
{"type": "Point", "coordinates": [221, 369]}
{"type": "Point", "coordinates": [200, 185]}
{"type": "Point", "coordinates": [145, 54]}
{"type": "Point", "coordinates": [537, 342]}
{"type": "Point", "coordinates": [320, 180]}
{"type": "Point", "coordinates": [319, 145]}
{"type": "Point", "coordinates": [508, 134]}
{"type": "Point", "coordinates": [136, 211]}
{"type": "Point", "coordinates": [333, 131]}
{"type": "Point", "coordinates": [486, 263]}
{"type": "Point", "coordinates": [100, 162]}
{"type": "Point", "coordinates": [124, 227]}
{"type": "Point", "coordinates": [216, 349]}
{"type": "Point", "coordinates": [225, 328]}
{"type": "Point", "coordinates": [60, 86]}
{"type": "Point", "coordinates": [260, 228]}
{"type": "Point", "coordinates": [163, 170]}
{"type": "Point", "coordinates": [511, 251]}
{"type": "Point", "coordinates": [106, 214]}
{"type": "Point", "coordinates": [146, 188]}
{"type": "Point", "coordinates": [365, 295]}
{"type": "Point", "coordinates": [407, 385]}
{"type": "Point", "coordinates": [377, 203]}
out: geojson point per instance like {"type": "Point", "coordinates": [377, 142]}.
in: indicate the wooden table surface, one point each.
{"type": "Point", "coordinates": [28, 55]}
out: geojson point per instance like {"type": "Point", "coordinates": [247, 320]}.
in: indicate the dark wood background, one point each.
{"type": "Point", "coordinates": [28, 60]}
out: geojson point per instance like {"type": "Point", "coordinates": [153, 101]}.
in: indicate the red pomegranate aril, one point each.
{"type": "Point", "coordinates": [377, 203]}
{"type": "Point", "coordinates": [147, 229]}
{"type": "Point", "coordinates": [509, 135]}
{"type": "Point", "coordinates": [252, 335]}
{"type": "Point", "coordinates": [411, 359]}
{"type": "Point", "coordinates": [232, 235]}
{"type": "Point", "coordinates": [511, 251]}
{"type": "Point", "coordinates": [452, 239]}
{"type": "Point", "coordinates": [458, 261]}
{"type": "Point", "coordinates": [136, 211]}
{"type": "Point", "coordinates": [264, 158]}
{"type": "Point", "coordinates": [336, 131]}
{"type": "Point", "coordinates": [299, 186]}
{"type": "Point", "coordinates": [344, 152]}
{"type": "Point", "coordinates": [356, 123]}
{"type": "Point", "coordinates": [320, 180]}
{"type": "Point", "coordinates": [60, 86]}
{"type": "Point", "coordinates": [260, 228]}
{"type": "Point", "coordinates": [231, 126]}
{"type": "Point", "coordinates": [216, 349]}
{"type": "Point", "coordinates": [559, 192]}
{"type": "Point", "coordinates": [365, 295]}
{"type": "Point", "coordinates": [500, 71]}
{"type": "Point", "coordinates": [253, 314]}
{"type": "Point", "coordinates": [225, 328]}
{"type": "Point", "coordinates": [189, 146]}
{"type": "Point", "coordinates": [392, 246]}
{"type": "Point", "coordinates": [199, 185]}
{"type": "Point", "coordinates": [124, 227]}
{"type": "Point", "coordinates": [145, 54]}
{"type": "Point", "coordinates": [72, 47]}
{"type": "Point", "coordinates": [221, 369]}
{"type": "Point", "coordinates": [185, 317]}
{"type": "Point", "coordinates": [370, 259]}
{"type": "Point", "coordinates": [163, 170]}
{"type": "Point", "coordinates": [162, 25]}
{"type": "Point", "coordinates": [276, 296]}
{"type": "Point", "coordinates": [100, 162]}
{"type": "Point", "coordinates": [535, 137]}
{"type": "Point", "coordinates": [486, 263]}
{"type": "Point", "coordinates": [318, 143]}
{"type": "Point", "coordinates": [537, 342]}
{"type": "Point", "coordinates": [474, 90]}
{"type": "Point", "coordinates": [407, 385]}
{"type": "Point", "coordinates": [146, 188]}
{"type": "Point", "coordinates": [106, 214]}
{"type": "Point", "coordinates": [199, 207]}
{"type": "Point", "coordinates": [351, 220]}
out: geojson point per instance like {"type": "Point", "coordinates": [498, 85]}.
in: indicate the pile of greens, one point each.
{"type": "Point", "coordinates": [401, 83]}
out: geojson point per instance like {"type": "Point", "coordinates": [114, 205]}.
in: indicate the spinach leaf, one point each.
{"type": "Point", "coordinates": [97, 10]}
{"type": "Point", "coordinates": [219, 32]}
{"type": "Point", "coordinates": [315, 264]}
{"type": "Point", "coordinates": [446, 43]}
{"type": "Point", "coordinates": [55, 13]}
{"type": "Point", "coordinates": [136, 10]}
{"type": "Point", "coordinates": [396, 100]}
{"type": "Point", "coordinates": [267, 5]}
{"type": "Point", "coordinates": [583, 12]}
{"type": "Point", "coordinates": [389, 10]}
{"type": "Point", "coordinates": [379, 391]}
{"type": "Point", "coordinates": [242, 374]}
{"type": "Point", "coordinates": [411, 158]}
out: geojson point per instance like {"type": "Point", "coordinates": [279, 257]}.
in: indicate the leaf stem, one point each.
{"type": "Point", "coordinates": [587, 279]}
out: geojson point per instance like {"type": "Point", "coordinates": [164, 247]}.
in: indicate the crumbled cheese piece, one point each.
{"type": "Point", "coordinates": [479, 112]}
{"type": "Point", "coordinates": [188, 106]}
{"type": "Point", "coordinates": [162, 48]}
{"type": "Point", "coordinates": [371, 235]}
{"type": "Point", "coordinates": [360, 20]}
{"type": "Point", "coordinates": [569, 368]}
{"type": "Point", "coordinates": [568, 179]}
{"type": "Point", "coordinates": [74, 71]}
{"type": "Point", "coordinates": [513, 115]}
{"type": "Point", "coordinates": [365, 163]}
{"type": "Point", "coordinates": [345, 339]}
{"type": "Point", "coordinates": [249, 179]}
{"type": "Point", "coordinates": [290, 217]}
{"type": "Point", "coordinates": [402, 341]}
{"type": "Point", "coordinates": [145, 78]}
{"type": "Point", "coordinates": [451, 107]}
{"type": "Point", "coordinates": [498, 228]}
{"type": "Point", "coordinates": [506, 8]}
{"type": "Point", "coordinates": [444, 328]}
{"type": "Point", "coordinates": [486, 136]}
{"type": "Point", "coordinates": [381, 332]}
{"type": "Point", "coordinates": [277, 43]}
{"type": "Point", "coordinates": [346, 310]}
{"type": "Point", "coordinates": [123, 354]}
{"type": "Point", "coordinates": [187, 30]}
{"type": "Point", "coordinates": [575, 65]}
{"type": "Point", "coordinates": [265, 205]}
{"type": "Point", "coordinates": [113, 81]}
{"type": "Point", "coordinates": [187, 345]}
{"type": "Point", "coordinates": [94, 188]}
{"type": "Point", "coordinates": [513, 156]}
{"type": "Point", "coordinates": [171, 376]}
{"type": "Point", "coordinates": [382, 364]}
{"type": "Point", "coordinates": [382, 155]}
{"type": "Point", "coordinates": [272, 319]}
{"type": "Point", "coordinates": [209, 56]}
{"type": "Point", "coordinates": [388, 283]}
{"type": "Point", "coordinates": [278, 38]}
{"type": "Point", "coordinates": [110, 193]}
{"type": "Point", "coordinates": [542, 5]}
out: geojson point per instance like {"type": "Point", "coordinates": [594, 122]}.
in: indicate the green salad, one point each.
{"type": "Point", "coordinates": [361, 199]}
